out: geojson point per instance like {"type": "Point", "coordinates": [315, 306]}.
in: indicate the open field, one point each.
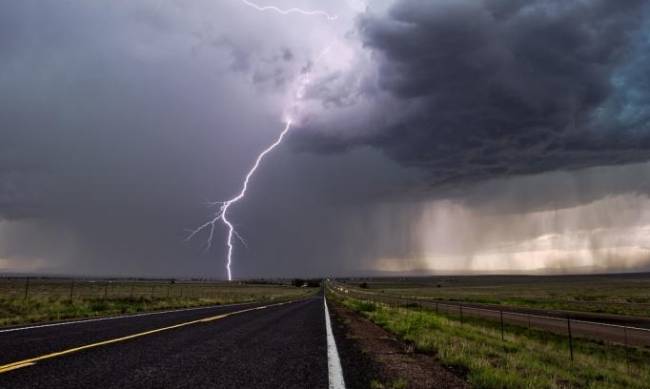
{"type": "Point", "coordinates": [32, 300]}
{"type": "Point", "coordinates": [621, 294]}
{"type": "Point", "coordinates": [523, 358]}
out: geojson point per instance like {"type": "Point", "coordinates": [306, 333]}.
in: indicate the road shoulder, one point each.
{"type": "Point", "coordinates": [373, 358]}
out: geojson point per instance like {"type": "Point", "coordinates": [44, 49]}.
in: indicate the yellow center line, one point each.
{"type": "Point", "coordinates": [14, 367]}
{"type": "Point", "coordinates": [32, 361]}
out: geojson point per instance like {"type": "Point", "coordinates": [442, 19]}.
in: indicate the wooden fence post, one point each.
{"type": "Point", "coordinates": [71, 290]}
{"type": "Point", "coordinates": [568, 323]}
{"type": "Point", "coordinates": [26, 288]}
{"type": "Point", "coordinates": [627, 350]}
{"type": "Point", "coordinates": [501, 317]}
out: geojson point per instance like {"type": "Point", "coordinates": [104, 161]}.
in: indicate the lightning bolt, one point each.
{"type": "Point", "coordinates": [222, 214]}
{"type": "Point", "coordinates": [224, 206]}
{"type": "Point", "coordinates": [290, 10]}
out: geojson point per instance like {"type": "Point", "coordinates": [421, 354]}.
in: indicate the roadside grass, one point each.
{"type": "Point", "coordinates": [526, 359]}
{"type": "Point", "coordinates": [397, 384]}
{"type": "Point", "coordinates": [49, 301]}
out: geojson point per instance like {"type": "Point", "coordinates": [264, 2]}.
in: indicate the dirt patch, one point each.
{"type": "Point", "coordinates": [395, 363]}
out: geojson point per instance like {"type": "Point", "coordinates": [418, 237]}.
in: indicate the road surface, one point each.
{"type": "Point", "coordinates": [273, 346]}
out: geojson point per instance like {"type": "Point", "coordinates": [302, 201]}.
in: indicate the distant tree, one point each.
{"type": "Point", "coordinates": [313, 283]}
{"type": "Point", "coordinates": [363, 285]}
{"type": "Point", "coordinates": [298, 282]}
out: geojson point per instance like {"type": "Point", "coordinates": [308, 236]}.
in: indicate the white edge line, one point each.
{"type": "Point", "coordinates": [82, 321]}
{"type": "Point", "coordinates": [334, 369]}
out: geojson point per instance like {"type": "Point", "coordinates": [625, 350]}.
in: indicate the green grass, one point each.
{"type": "Point", "coordinates": [49, 300]}
{"type": "Point", "coordinates": [526, 359]}
{"type": "Point", "coordinates": [613, 294]}
{"type": "Point", "coordinates": [400, 383]}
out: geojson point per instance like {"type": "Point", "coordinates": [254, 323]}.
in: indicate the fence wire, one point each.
{"type": "Point", "coordinates": [570, 327]}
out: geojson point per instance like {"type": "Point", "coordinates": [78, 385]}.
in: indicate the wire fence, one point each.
{"type": "Point", "coordinates": [27, 288]}
{"type": "Point", "coordinates": [627, 336]}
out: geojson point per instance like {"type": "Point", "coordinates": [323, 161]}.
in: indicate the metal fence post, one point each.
{"type": "Point", "coordinates": [568, 323]}
{"type": "Point", "coordinates": [71, 289]}
{"type": "Point", "coordinates": [131, 292]}
{"type": "Point", "coordinates": [105, 290]}
{"type": "Point", "coordinates": [501, 316]}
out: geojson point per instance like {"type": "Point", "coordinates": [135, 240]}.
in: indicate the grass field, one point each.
{"type": "Point", "coordinates": [38, 300]}
{"type": "Point", "coordinates": [627, 294]}
{"type": "Point", "coordinates": [525, 359]}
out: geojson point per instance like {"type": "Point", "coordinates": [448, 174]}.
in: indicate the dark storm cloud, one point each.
{"type": "Point", "coordinates": [114, 132]}
{"type": "Point", "coordinates": [492, 88]}
{"type": "Point", "coordinates": [120, 119]}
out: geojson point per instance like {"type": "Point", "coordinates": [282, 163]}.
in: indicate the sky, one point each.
{"type": "Point", "coordinates": [442, 136]}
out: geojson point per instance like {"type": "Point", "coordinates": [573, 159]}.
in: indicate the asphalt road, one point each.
{"type": "Point", "coordinates": [281, 346]}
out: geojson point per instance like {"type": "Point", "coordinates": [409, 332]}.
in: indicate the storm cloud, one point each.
{"type": "Point", "coordinates": [423, 126]}
{"type": "Point", "coordinates": [469, 90]}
